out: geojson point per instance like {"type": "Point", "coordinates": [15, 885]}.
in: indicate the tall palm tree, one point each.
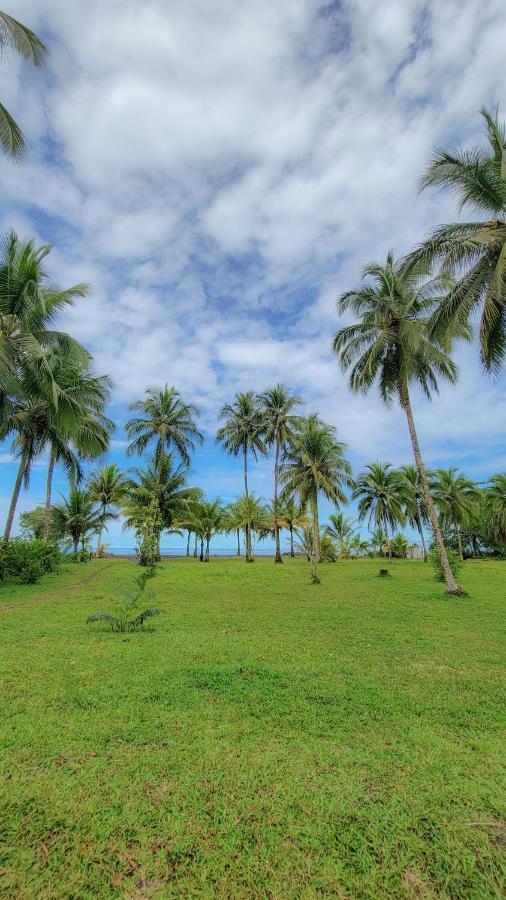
{"type": "Point", "coordinates": [455, 496]}
{"type": "Point", "coordinates": [476, 251]}
{"type": "Point", "coordinates": [15, 36]}
{"type": "Point", "coordinates": [315, 464]}
{"type": "Point", "coordinates": [243, 433]}
{"type": "Point", "coordinates": [167, 420]}
{"type": "Point", "coordinates": [380, 497]}
{"type": "Point", "coordinates": [391, 343]}
{"type": "Point", "coordinates": [107, 486]}
{"type": "Point", "coordinates": [28, 307]}
{"type": "Point", "coordinates": [414, 504]}
{"type": "Point", "coordinates": [78, 516]}
{"type": "Point", "coordinates": [277, 405]}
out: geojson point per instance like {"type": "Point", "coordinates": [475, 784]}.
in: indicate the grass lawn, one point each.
{"type": "Point", "coordinates": [267, 738]}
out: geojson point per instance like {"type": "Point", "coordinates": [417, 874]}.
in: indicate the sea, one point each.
{"type": "Point", "coordinates": [181, 551]}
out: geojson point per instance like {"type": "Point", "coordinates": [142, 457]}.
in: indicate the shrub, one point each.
{"type": "Point", "coordinates": [453, 560]}
{"type": "Point", "coordinates": [127, 606]}
{"type": "Point", "coordinates": [26, 560]}
{"type": "Point", "coordinates": [328, 550]}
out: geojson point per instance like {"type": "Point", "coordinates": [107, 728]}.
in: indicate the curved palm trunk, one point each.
{"type": "Point", "coordinates": [249, 555]}
{"type": "Point", "coordinates": [49, 485]}
{"type": "Point", "coordinates": [278, 558]}
{"type": "Point", "coordinates": [15, 495]}
{"type": "Point", "coordinates": [451, 585]}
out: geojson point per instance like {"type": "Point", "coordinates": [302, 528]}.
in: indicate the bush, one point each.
{"type": "Point", "coordinates": [27, 561]}
{"type": "Point", "coordinates": [453, 560]}
{"type": "Point", "coordinates": [328, 550]}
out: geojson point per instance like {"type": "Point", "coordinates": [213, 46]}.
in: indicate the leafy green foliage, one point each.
{"type": "Point", "coordinates": [453, 561]}
{"type": "Point", "coordinates": [27, 560]}
{"type": "Point", "coordinates": [126, 608]}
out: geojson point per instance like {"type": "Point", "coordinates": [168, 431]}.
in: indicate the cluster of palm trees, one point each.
{"type": "Point", "coordinates": [409, 312]}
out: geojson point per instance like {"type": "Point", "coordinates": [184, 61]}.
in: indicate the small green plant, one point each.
{"type": "Point", "coordinates": [453, 561]}
{"type": "Point", "coordinates": [27, 561]}
{"type": "Point", "coordinates": [126, 618]}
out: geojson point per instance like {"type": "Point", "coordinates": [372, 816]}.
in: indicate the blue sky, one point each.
{"type": "Point", "coordinates": [220, 172]}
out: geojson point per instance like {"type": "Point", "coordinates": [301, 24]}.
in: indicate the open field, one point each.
{"type": "Point", "coordinates": [268, 738]}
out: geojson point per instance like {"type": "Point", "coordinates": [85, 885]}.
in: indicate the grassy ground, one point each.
{"type": "Point", "coordinates": [268, 738]}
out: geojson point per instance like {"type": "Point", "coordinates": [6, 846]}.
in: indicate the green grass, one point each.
{"type": "Point", "coordinates": [268, 738]}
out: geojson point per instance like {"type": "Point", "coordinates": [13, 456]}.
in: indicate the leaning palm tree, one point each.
{"type": "Point", "coordinates": [475, 251]}
{"type": "Point", "coordinates": [414, 504]}
{"type": "Point", "coordinates": [28, 308]}
{"type": "Point", "coordinates": [168, 421]}
{"type": "Point", "coordinates": [277, 405]}
{"type": "Point", "coordinates": [243, 433]}
{"type": "Point", "coordinates": [15, 36]}
{"type": "Point", "coordinates": [380, 498]}
{"type": "Point", "coordinates": [392, 344]}
{"type": "Point", "coordinates": [455, 496]}
{"type": "Point", "coordinates": [315, 464]}
{"type": "Point", "coordinates": [108, 486]}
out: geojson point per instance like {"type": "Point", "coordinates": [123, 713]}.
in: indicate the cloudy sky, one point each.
{"type": "Point", "coordinates": [219, 172]}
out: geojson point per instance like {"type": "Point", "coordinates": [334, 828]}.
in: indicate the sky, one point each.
{"type": "Point", "coordinates": [219, 173]}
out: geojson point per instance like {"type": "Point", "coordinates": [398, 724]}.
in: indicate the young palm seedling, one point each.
{"type": "Point", "coordinates": [127, 618]}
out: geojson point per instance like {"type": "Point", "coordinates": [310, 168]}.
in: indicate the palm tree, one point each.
{"type": "Point", "coordinates": [315, 464]}
{"type": "Point", "coordinates": [276, 405]}
{"type": "Point", "coordinates": [340, 527]}
{"type": "Point", "coordinates": [250, 514]}
{"type": "Point", "coordinates": [414, 505]}
{"type": "Point", "coordinates": [455, 496]}
{"type": "Point", "coordinates": [162, 484]}
{"type": "Point", "coordinates": [15, 36]}
{"type": "Point", "coordinates": [391, 343]}
{"type": "Point", "coordinates": [78, 516]}
{"type": "Point", "coordinates": [474, 250]}
{"type": "Point", "coordinates": [378, 541]}
{"type": "Point", "coordinates": [107, 486]}
{"type": "Point", "coordinates": [495, 507]}
{"type": "Point", "coordinates": [28, 306]}
{"type": "Point", "coordinates": [208, 519]}
{"type": "Point", "coordinates": [167, 420]}
{"type": "Point", "coordinates": [243, 433]}
{"type": "Point", "coordinates": [294, 516]}
{"type": "Point", "coordinates": [380, 497]}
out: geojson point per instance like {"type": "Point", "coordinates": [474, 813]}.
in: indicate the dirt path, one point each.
{"type": "Point", "coordinates": [48, 598]}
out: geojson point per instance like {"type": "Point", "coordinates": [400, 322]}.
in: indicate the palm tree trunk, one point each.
{"type": "Point", "coordinates": [451, 585]}
{"type": "Point", "coordinates": [15, 495]}
{"type": "Point", "coordinates": [201, 549]}
{"type": "Point", "coordinates": [49, 484]}
{"type": "Point", "coordinates": [292, 554]}
{"type": "Point", "coordinates": [249, 557]}
{"type": "Point", "coordinates": [188, 543]}
{"type": "Point", "coordinates": [389, 542]}
{"type": "Point", "coordinates": [238, 542]}
{"type": "Point", "coordinates": [195, 546]}
{"type": "Point", "coordinates": [207, 550]}
{"type": "Point", "coordinates": [316, 527]}
{"type": "Point", "coordinates": [99, 535]}
{"type": "Point", "coordinates": [278, 558]}
{"type": "Point", "coordinates": [459, 541]}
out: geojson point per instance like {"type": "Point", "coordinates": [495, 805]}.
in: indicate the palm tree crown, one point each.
{"type": "Point", "coordinates": [15, 36]}
{"type": "Point", "coordinates": [474, 250]}
{"type": "Point", "coordinates": [379, 492]}
{"type": "Point", "coordinates": [167, 420]}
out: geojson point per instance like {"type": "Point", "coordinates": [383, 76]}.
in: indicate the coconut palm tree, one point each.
{"type": "Point", "coordinates": [294, 516]}
{"type": "Point", "coordinates": [251, 515]}
{"type": "Point", "coordinates": [107, 486]}
{"type": "Point", "coordinates": [380, 498]}
{"type": "Point", "coordinates": [391, 343]}
{"type": "Point", "coordinates": [168, 421]}
{"type": "Point", "coordinates": [28, 307]}
{"type": "Point", "coordinates": [315, 464]}
{"type": "Point", "coordinates": [495, 507]}
{"type": "Point", "coordinates": [455, 496]}
{"type": "Point", "coordinates": [243, 433]}
{"type": "Point", "coordinates": [340, 527]}
{"type": "Point", "coordinates": [15, 36]}
{"type": "Point", "coordinates": [378, 541]}
{"type": "Point", "coordinates": [476, 250]}
{"type": "Point", "coordinates": [208, 518]}
{"type": "Point", "coordinates": [78, 516]}
{"type": "Point", "coordinates": [414, 504]}
{"type": "Point", "coordinates": [277, 405]}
